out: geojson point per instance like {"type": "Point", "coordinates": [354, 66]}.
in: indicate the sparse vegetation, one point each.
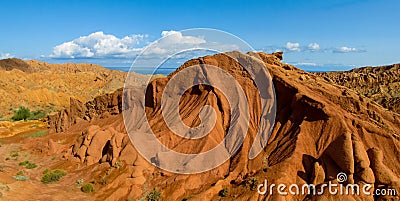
{"type": "Point", "coordinates": [34, 126]}
{"type": "Point", "coordinates": [46, 171]}
{"type": "Point", "coordinates": [79, 182]}
{"type": "Point", "coordinates": [22, 113]}
{"type": "Point", "coordinates": [21, 178]}
{"type": "Point", "coordinates": [4, 187]}
{"type": "Point", "coordinates": [27, 164]}
{"type": "Point", "coordinates": [87, 188]}
{"type": "Point", "coordinates": [14, 154]}
{"type": "Point", "coordinates": [155, 195]}
{"type": "Point", "coordinates": [224, 192]}
{"type": "Point", "coordinates": [104, 181]}
{"type": "Point", "coordinates": [52, 176]}
{"type": "Point", "coordinates": [109, 170]}
{"type": "Point", "coordinates": [39, 114]}
{"type": "Point", "coordinates": [118, 164]}
{"type": "Point", "coordinates": [252, 182]}
{"type": "Point", "coordinates": [31, 166]}
{"type": "Point", "coordinates": [36, 134]}
{"type": "Point", "coordinates": [23, 163]}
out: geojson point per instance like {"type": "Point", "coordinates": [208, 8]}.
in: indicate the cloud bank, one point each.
{"type": "Point", "coordinates": [345, 49]}
{"type": "Point", "coordinates": [313, 48]}
{"type": "Point", "coordinates": [293, 46]}
{"type": "Point", "coordinates": [5, 55]}
{"type": "Point", "coordinates": [99, 45]}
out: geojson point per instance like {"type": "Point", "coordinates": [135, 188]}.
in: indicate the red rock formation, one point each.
{"type": "Point", "coordinates": [382, 84]}
{"type": "Point", "coordinates": [101, 105]}
{"type": "Point", "coordinates": [320, 130]}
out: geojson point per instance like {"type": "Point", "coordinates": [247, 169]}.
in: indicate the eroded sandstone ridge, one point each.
{"type": "Point", "coordinates": [320, 130]}
{"type": "Point", "coordinates": [381, 84]}
{"type": "Point", "coordinates": [49, 87]}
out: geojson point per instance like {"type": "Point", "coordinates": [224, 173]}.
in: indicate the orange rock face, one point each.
{"type": "Point", "coordinates": [381, 84]}
{"type": "Point", "coordinates": [49, 87]}
{"type": "Point", "coordinates": [320, 130]}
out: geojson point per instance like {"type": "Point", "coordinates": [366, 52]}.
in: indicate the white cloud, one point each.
{"type": "Point", "coordinates": [345, 49]}
{"type": "Point", "coordinates": [99, 45]}
{"type": "Point", "coordinates": [176, 37]}
{"type": "Point", "coordinates": [313, 47]}
{"type": "Point", "coordinates": [5, 55]}
{"type": "Point", "coordinates": [173, 41]}
{"type": "Point", "coordinates": [293, 46]}
{"type": "Point", "coordinates": [305, 64]}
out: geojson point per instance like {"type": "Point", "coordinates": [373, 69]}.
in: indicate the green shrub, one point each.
{"type": "Point", "coordinates": [35, 134]}
{"type": "Point", "coordinates": [52, 176]}
{"type": "Point", "coordinates": [23, 163]}
{"type": "Point", "coordinates": [87, 188]}
{"type": "Point", "coordinates": [223, 192]}
{"type": "Point", "coordinates": [118, 164]}
{"type": "Point", "coordinates": [22, 113]}
{"type": "Point", "coordinates": [46, 171]}
{"type": "Point", "coordinates": [79, 182]}
{"type": "Point", "coordinates": [27, 164]}
{"type": "Point", "coordinates": [154, 196]}
{"type": "Point", "coordinates": [31, 166]}
{"type": "Point", "coordinates": [20, 172]}
{"type": "Point", "coordinates": [252, 182]}
{"type": "Point", "coordinates": [14, 154]}
{"type": "Point", "coordinates": [39, 114]}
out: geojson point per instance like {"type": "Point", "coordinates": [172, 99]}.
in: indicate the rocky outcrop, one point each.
{"type": "Point", "coordinates": [14, 63]}
{"type": "Point", "coordinates": [320, 130]}
{"type": "Point", "coordinates": [49, 87]}
{"type": "Point", "coordinates": [108, 104]}
{"type": "Point", "coordinates": [382, 84]}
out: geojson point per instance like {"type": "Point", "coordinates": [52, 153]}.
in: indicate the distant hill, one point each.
{"type": "Point", "coordinates": [14, 63]}
{"type": "Point", "coordinates": [43, 86]}
{"type": "Point", "coordinates": [382, 83]}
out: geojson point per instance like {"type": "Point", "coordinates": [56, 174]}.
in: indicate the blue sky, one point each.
{"type": "Point", "coordinates": [314, 34]}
